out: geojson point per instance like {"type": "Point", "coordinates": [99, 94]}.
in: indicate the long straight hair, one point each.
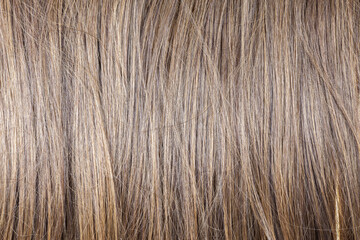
{"type": "Point", "coordinates": [179, 119]}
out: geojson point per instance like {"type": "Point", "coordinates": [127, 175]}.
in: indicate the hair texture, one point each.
{"type": "Point", "coordinates": [179, 119]}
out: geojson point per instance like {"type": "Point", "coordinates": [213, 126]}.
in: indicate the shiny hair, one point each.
{"type": "Point", "coordinates": [179, 119]}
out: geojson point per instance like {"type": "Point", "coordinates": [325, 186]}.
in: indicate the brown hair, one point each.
{"type": "Point", "coordinates": [192, 119]}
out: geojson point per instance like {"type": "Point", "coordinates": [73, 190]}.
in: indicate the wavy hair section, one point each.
{"type": "Point", "coordinates": [192, 119]}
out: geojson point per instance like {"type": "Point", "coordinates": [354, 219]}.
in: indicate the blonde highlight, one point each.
{"type": "Point", "coordinates": [193, 119]}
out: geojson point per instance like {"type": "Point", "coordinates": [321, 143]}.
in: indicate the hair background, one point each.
{"type": "Point", "coordinates": [191, 119]}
